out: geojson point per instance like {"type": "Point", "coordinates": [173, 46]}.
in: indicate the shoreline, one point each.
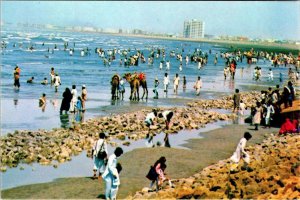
{"type": "Point", "coordinates": [211, 147]}
{"type": "Point", "coordinates": [205, 40]}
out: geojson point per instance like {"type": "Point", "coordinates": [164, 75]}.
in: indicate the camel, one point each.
{"type": "Point", "coordinates": [135, 80]}
{"type": "Point", "coordinates": [115, 80]}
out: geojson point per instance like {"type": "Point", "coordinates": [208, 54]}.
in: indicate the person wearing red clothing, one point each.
{"type": "Point", "coordinates": [287, 127]}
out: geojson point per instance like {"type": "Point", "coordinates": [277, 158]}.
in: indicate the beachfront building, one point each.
{"type": "Point", "coordinates": [193, 29]}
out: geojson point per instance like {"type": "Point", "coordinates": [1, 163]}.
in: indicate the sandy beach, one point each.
{"type": "Point", "coordinates": [216, 145]}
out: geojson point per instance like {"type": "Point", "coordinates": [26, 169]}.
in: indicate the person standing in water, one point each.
{"type": "Point", "coordinates": [198, 85]}
{"type": "Point", "coordinates": [52, 75]}
{"type": "Point", "coordinates": [176, 83]}
{"type": "Point", "coordinates": [83, 97]}
{"type": "Point", "coordinates": [74, 98]}
{"type": "Point", "coordinates": [166, 83]}
{"type": "Point", "coordinates": [184, 83]}
{"type": "Point", "coordinates": [57, 82]}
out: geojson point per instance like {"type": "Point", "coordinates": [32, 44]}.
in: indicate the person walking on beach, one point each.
{"type": "Point", "coordinates": [83, 97]}
{"type": "Point", "coordinates": [257, 116]}
{"type": "Point", "coordinates": [111, 175]}
{"type": "Point", "coordinates": [65, 104]}
{"type": "Point", "coordinates": [269, 112]}
{"type": "Point", "coordinates": [167, 116]}
{"type": "Point", "coordinates": [166, 83]}
{"type": "Point", "coordinates": [98, 155]}
{"type": "Point", "coordinates": [74, 99]}
{"type": "Point", "coordinates": [57, 82]}
{"type": "Point", "coordinates": [288, 95]}
{"type": "Point", "coordinates": [240, 153]}
{"type": "Point", "coordinates": [236, 100]}
{"type": "Point", "coordinates": [198, 85]}
{"type": "Point", "coordinates": [176, 83]}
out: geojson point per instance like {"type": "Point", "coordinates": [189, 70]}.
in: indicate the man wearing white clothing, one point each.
{"type": "Point", "coordinates": [99, 163]}
{"type": "Point", "coordinates": [74, 98]}
{"type": "Point", "coordinates": [198, 85]}
{"type": "Point", "coordinates": [240, 152]}
{"type": "Point", "coordinates": [166, 83]}
{"type": "Point", "coordinates": [176, 83]}
{"type": "Point", "coordinates": [111, 175]}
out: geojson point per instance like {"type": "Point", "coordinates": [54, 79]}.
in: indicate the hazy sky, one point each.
{"type": "Point", "coordinates": [253, 19]}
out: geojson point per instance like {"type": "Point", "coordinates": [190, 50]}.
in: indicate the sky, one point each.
{"type": "Point", "coordinates": [276, 20]}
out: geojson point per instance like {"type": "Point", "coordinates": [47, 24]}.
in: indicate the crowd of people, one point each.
{"type": "Point", "coordinates": [265, 112]}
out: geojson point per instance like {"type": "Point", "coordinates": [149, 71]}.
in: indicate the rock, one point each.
{"type": "Point", "coordinates": [126, 143]}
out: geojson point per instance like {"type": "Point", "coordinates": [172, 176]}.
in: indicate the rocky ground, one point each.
{"type": "Point", "coordinates": [270, 176]}
{"type": "Point", "coordinates": [60, 144]}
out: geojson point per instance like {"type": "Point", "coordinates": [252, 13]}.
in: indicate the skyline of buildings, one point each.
{"type": "Point", "coordinates": [193, 29]}
{"type": "Point", "coordinates": [90, 29]}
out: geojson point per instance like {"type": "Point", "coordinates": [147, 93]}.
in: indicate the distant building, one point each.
{"type": "Point", "coordinates": [193, 29]}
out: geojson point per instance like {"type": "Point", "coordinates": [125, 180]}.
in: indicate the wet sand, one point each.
{"type": "Point", "coordinates": [214, 146]}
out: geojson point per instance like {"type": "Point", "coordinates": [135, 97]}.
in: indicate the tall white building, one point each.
{"type": "Point", "coordinates": [193, 29]}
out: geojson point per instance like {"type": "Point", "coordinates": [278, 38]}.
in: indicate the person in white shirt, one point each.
{"type": "Point", "coordinates": [99, 146]}
{"type": "Point", "coordinates": [240, 152]}
{"type": "Point", "coordinates": [270, 75]}
{"type": "Point", "coordinates": [242, 107]}
{"type": "Point", "coordinates": [167, 115]}
{"type": "Point", "coordinates": [176, 83]}
{"type": "Point", "coordinates": [166, 83]}
{"type": "Point", "coordinates": [57, 82]}
{"type": "Point", "coordinates": [198, 85]}
{"type": "Point", "coordinates": [168, 65]}
{"type": "Point", "coordinates": [150, 118]}
{"type": "Point", "coordinates": [161, 65]}
{"type": "Point", "coordinates": [111, 175]}
{"type": "Point", "coordinates": [74, 98]}
{"type": "Point", "coordinates": [267, 114]}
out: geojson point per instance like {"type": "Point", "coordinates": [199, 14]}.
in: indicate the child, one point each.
{"type": "Point", "coordinates": [156, 83]}
{"type": "Point", "coordinates": [79, 104]}
{"type": "Point", "coordinates": [240, 152]}
{"type": "Point", "coordinates": [242, 107]}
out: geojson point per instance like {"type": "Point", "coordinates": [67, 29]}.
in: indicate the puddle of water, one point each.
{"type": "Point", "coordinates": [81, 165]}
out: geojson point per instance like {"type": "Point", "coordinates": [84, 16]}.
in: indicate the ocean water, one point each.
{"type": "Point", "coordinates": [20, 110]}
